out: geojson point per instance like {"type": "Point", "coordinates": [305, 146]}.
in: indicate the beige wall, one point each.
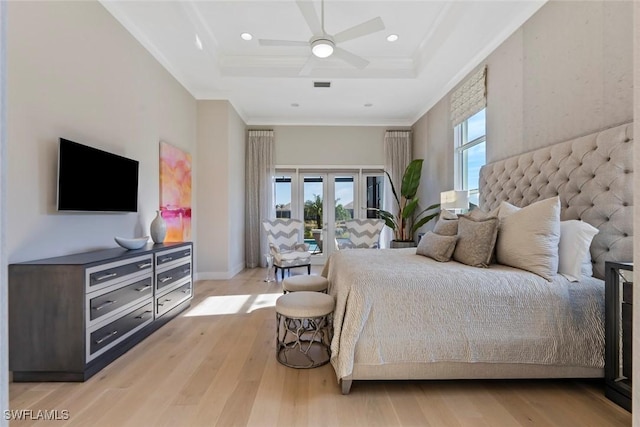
{"type": "Point", "coordinates": [329, 145]}
{"type": "Point", "coordinates": [221, 147]}
{"type": "Point", "coordinates": [75, 72]}
{"type": "Point", "coordinates": [566, 72]}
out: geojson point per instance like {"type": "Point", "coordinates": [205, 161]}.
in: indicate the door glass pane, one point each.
{"type": "Point", "coordinates": [283, 196]}
{"type": "Point", "coordinates": [374, 194]}
{"type": "Point", "coordinates": [344, 189]}
{"type": "Point", "coordinates": [313, 218]}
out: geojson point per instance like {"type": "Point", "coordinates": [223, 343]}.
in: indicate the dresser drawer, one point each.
{"type": "Point", "coordinates": [169, 300]}
{"type": "Point", "coordinates": [104, 304]}
{"type": "Point", "coordinates": [168, 277]}
{"type": "Point", "coordinates": [166, 257]}
{"type": "Point", "coordinates": [109, 274]}
{"type": "Point", "coordinates": [118, 329]}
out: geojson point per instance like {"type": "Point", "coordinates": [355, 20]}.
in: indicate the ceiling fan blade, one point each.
{"type": "Point", "coordinates": [267, 42]}
{"type": "Point", "coordinates": [371, 26]}
{"type": "Point", "coordinates": [349, 57]}
{"type": "Point", "coordinates": [309, 12]}
{"type": "Point", "coordinates": [308, 66]}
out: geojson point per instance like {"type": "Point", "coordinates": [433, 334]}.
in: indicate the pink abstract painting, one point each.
{"type": "Point", "coordinates": [175, 192]}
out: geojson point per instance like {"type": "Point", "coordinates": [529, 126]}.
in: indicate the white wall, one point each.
{"type": "Point", "coordinates": [75, 72]}
{"type": "Point", "coordinates": [221, 148]}
{"type": "Point", "coordinates": [566, 72]}
{"type": "Point", "coordinates": [329, 145]}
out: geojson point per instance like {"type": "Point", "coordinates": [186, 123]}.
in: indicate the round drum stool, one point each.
{"type": "Point", "coordinates": [304, 322]}
{"type": "Point", "coordinates": [305, 283]}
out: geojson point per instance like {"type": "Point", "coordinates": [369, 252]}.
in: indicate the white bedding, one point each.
{"type": "Point", "coordinates": [396, 307]}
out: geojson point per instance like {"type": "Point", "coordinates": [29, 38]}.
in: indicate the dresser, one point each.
{"type": "Point", "coordinates": [618, 332]}
{"type": "Point", "coordinates": [71, 316]}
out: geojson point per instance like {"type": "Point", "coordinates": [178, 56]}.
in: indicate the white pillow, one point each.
{"type": "Point", "coordinates": [587, 265]}
{"type": "Point", "coordinates": [528, 237]}
{"type": "Point", "coordinates": [575, 239]}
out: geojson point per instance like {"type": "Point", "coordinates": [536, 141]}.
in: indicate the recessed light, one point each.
{"type": "Point", "coordinates": [368, 104]}
{"type": "Point", "coordinates": [198, 42]}
{"type": "Point", "coordinates": [246, 36]}
{"type": "Point", "coordinates": [295, 104]}
{"type": "Point", "coordinates": [392, 37]}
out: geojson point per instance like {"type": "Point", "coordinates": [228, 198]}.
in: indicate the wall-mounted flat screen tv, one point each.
{"type": "Point", "coordinates": [93, 180]}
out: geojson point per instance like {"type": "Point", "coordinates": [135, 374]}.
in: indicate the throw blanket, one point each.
{"type": "Point", "coordinates": [393, 306]}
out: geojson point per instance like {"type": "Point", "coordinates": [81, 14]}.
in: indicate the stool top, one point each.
{"type": "Point", "coordinates": [305, 283]}
{"type": "Point", "coordinates": [305, 304]}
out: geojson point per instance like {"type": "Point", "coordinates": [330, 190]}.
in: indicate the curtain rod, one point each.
{"type": "Point", "coordinates": [261, 130]}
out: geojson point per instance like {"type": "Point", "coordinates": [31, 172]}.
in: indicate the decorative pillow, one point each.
{"type": "Point", "coordinates": [447, 224]}
{"type": "Point", "coordinates": [529, 237]}
{"type": "Point", "coordinates": [476, 240]}
{"type": "Point", "coordinates": [436, 246]}
{"type": "Point", "coordinates": [587, 266]}
{"type": "Point", "coordinates": [575, 240]}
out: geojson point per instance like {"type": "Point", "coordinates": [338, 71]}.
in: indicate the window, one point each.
{"type": "Point", "coordinates": [470, 153]}
{"type": "Point", "coordinates": [283, 196]}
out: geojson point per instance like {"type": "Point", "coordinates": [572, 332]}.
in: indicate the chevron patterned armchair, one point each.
{"type": "Point", "coordinates": [363, 233]}
{"type": "Point", "coordinates": [285, 244]}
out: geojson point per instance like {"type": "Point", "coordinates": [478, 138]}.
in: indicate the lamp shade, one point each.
{"type": "Point", "coordinates": [454, 199]}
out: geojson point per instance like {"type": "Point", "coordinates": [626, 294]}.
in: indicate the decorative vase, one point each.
{"type": "Point", "coordinates": [158, 228]}
{"type": "Point", "coordinates": [270, 276]}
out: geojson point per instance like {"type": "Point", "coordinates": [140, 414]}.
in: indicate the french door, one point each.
{"type": "Point", "coordinates": [324, 200]}
{"type": "Point", "coordinates": [328, 200]}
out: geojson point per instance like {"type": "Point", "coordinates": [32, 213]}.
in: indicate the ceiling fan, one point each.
{"type": "Point", "coordinates": [324, 45]}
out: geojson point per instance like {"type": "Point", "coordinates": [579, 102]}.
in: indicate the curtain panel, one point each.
{"type": "Point", "coordinates": [470, 97]}
{"type": "Point", "coordinates": [397, 156]}
{"type": "Point", "coordinates": [259, 194]}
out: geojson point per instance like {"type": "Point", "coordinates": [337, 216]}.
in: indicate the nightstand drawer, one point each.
{"type": "Point", "coordinates": [168, 277]}
{"type": "Point", "coordinates": [118, 329]}
{"type": "Point", "coordinates": [104, 304]}
{"type": "Point", "coordinates": [173, 298]}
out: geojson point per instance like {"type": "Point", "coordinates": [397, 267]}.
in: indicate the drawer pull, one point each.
{"type": "Point", "coordinates": [186, 271]}
{"type": "Point", "coordinates": [186, 291]}
{"type": "Point", "coordinates": [164, 279]}
{"type": "Point", "coordinates": [106, 337]}
{"type": "Point", "coordinates": [104, 304]}
{"type": "Point", "coordinates": [144, 288]}
{"type": "Point", "coordinates": [165, 259]}
{"type": "Point", "coordinates": [161, 304]}
{"type": "Point", "coordinates": [106, 276]}
{"type": "Point", "coordinates": [145, 265]}
{"type": "Point", "coordinates": [142, 315]}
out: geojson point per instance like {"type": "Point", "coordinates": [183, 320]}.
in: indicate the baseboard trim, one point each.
{"type": "Point", "coordinates": [218, 275]}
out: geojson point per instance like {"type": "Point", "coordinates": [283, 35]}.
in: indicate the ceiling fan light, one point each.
{"type": "Point", "coordinates": [322, 48]}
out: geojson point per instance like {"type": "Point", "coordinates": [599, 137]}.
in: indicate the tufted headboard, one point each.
{"type": "Point", "coordinates": [592, 174]}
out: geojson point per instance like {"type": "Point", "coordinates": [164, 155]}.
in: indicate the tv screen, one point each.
{"type": "Point", "coordinates": [94, 180]}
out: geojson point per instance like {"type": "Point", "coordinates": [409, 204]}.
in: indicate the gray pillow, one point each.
{"type": "Point", "coordinates": [476, 240]}
{"type": "Point", "coordinates": [447, 224]}
{"type": "Point", "coordinates": [435, 246]}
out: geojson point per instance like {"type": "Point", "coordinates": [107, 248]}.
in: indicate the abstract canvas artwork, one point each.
{"type": "Point", "coordinates": [175, 192]}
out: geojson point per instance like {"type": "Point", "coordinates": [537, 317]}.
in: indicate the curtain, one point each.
{"type": "Point", "coordinates": [397, 156]}
{"type": "Point", "coordinates": [470, 97]}
{"type": "Point", "coordinates": [259, 194]}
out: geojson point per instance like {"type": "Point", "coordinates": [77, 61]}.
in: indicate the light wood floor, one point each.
{"type": "Point", "coordinates": [214, 365]}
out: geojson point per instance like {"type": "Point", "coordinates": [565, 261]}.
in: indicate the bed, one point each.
{"type": "Point", "coordinates": [400, 315]}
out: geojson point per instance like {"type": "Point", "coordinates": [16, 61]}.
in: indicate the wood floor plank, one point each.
{"type": "Point", "coordinates": [215, 365]}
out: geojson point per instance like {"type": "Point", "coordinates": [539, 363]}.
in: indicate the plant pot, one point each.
{"type": "Point", "coordinates": [398, 244]}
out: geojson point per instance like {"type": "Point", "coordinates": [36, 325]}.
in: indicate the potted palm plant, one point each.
{"type": "Point", "coordinates": [407, 220]}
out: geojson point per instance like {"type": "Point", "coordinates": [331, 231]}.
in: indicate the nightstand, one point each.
{"type": "Point", "coordinates": [618, 336]}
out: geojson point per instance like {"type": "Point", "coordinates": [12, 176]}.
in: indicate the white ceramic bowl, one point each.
{"type": "Point", "coordinates": [136, 243]}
